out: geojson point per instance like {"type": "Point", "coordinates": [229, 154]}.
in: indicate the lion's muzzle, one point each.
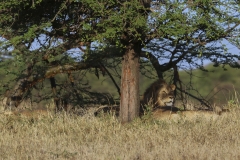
{"type": "Point", "coordinates": [170, 102]}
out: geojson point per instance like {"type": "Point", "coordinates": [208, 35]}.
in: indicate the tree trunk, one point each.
{"type": "Point", "coordinates": [130, 103]}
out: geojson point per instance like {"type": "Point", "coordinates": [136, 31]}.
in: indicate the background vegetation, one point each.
{"type": "Point", "coordinates": [218, 85]}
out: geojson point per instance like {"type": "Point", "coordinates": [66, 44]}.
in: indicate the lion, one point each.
{"type": "Point", "coordinates": [176, 114]}
{"type": "Point", "coordinates": [35, 113]}
{"type": "Point", "coordinates": [159, 94]}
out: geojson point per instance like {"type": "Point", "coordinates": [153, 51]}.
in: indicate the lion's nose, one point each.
{"type": "Point", "coordinates": [171, 97]}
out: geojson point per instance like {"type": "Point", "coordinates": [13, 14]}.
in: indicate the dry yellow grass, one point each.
{"type": "Point", "coordinates": [72, 137]}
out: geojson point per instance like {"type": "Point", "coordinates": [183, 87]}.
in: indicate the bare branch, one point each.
{"type": "Point", "coordinates": [200, 100]}
{"type": "Point", "coordinates": [26, 83]}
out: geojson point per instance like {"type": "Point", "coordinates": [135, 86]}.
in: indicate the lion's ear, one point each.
{"type": "Point", "coordinates": [173, 87]}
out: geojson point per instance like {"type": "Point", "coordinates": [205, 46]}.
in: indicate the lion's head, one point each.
{"type": "Point", "coordinates": [159, 94]}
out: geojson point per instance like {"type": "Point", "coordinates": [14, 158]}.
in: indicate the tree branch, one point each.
{"type": "Point", "coordinates": [154, 62]}
{"type": "Point", "coordinates": [113, 80]}
{"type": "Point", "coordinates": [25, 84]}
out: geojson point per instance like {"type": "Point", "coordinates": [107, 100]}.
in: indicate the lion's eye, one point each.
{"type": "Point", "coordinates": [164, 92]}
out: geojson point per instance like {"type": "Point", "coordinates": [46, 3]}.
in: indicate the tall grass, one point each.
{"type": "Point", "coordinates": [73, 137]}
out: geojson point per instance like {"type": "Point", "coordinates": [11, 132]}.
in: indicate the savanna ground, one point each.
{"type": "Point", "coordinates": [64, 136]}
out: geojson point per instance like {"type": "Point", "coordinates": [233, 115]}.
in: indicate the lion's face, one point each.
{"type": "Point", "coordinates": [165, 96]}
{"type": "Point", "coordinates": [159, 94]}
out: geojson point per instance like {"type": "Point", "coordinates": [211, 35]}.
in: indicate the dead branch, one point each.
{"type": "Point", "coordinates": [200, 100]}
{"type": "Point", "coordinates": [113, 80]}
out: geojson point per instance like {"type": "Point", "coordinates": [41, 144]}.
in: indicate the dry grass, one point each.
{"type": "Point", "coordinates": [72, 137]}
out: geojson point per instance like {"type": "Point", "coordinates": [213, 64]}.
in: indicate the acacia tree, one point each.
{"type": "Point", "coordinates": [161, 31]}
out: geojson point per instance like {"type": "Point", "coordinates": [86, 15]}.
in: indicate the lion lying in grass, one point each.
{"type": "Point", "coordinates": [159, 97]}
{"type": "Point", "coordinates": [35, 113]}
{"type": "Point", "coordinates": [175, 114]}
{"type": "Point", "coordinates": [164, 113]}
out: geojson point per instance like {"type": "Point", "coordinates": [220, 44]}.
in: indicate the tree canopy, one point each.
{"type": "Point", "coordinates": [50, 37]}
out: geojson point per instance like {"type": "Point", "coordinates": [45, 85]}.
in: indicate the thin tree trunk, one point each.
{"type": "Point", "coordinates": [130, 103]}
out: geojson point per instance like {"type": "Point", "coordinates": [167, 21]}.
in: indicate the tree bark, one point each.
{"type": "Point", "coordinates": [130, 102]}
